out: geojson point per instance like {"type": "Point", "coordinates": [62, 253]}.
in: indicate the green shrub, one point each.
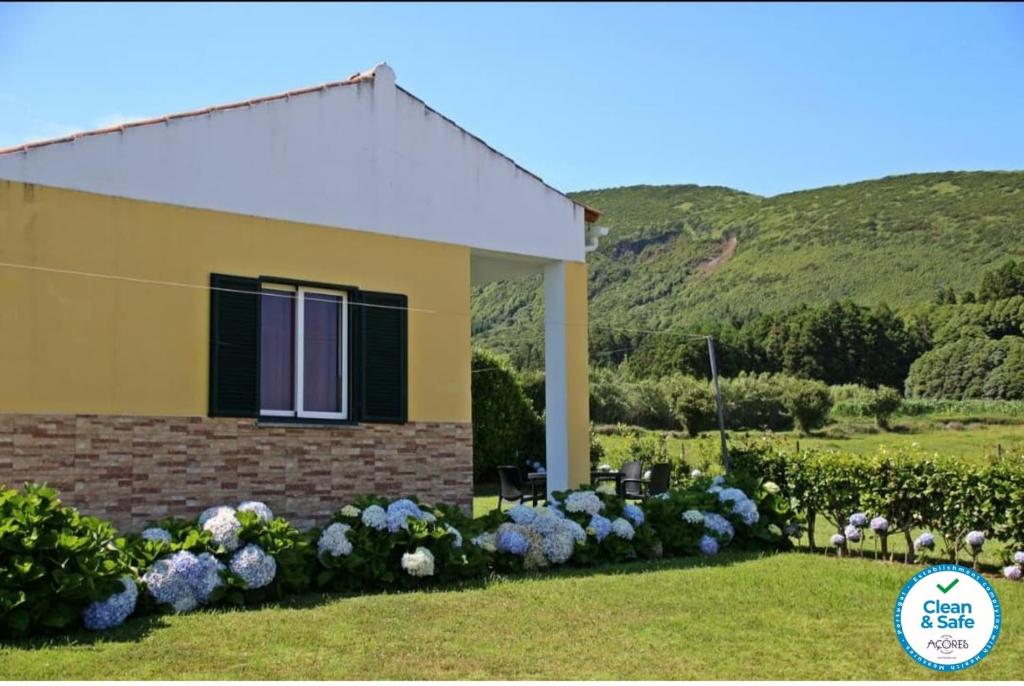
{"type": "Point", "coordinates": [755, 401]}
{"type": "Point", "coordinates": [53, 562]}
{"type": "Point", "coordinates": [506, 429]}
{"type": "Point", "coordinates": [970, 368]}
{"type": "Point", "coordinates": [808, 402]}
{"type": "Point", "coordinates": [532, 382]}
{"type": "Point", "coordinates": [883, 403]}
{"type": "Point", "coordinates": [610, 401]}
{"type": "Point", "coordinates": [693, 403]}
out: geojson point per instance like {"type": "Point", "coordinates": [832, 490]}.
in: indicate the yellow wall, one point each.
{"type": "Point", "coordinates": [79, 344]}
{"type": "Point", "coordinates": [577, 377]}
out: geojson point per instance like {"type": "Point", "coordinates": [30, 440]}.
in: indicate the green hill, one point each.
{"type": "Point", "coordinates": [677, 256]}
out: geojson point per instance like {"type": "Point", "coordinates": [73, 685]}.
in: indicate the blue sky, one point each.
{"type": "Point", "coordinates": [763, 98]}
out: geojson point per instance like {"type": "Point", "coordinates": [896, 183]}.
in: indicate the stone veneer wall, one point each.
{"type": "Point", "coordinates": [133, 470]}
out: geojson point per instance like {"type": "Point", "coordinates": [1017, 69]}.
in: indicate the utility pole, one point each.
{"type": "Point", "coordinates": [718, 401]}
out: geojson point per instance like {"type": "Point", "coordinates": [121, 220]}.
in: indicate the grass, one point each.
{"type": "Point", "coordinates": [740, 616]}
{"type": "Point", "coordinates": [978, 439]}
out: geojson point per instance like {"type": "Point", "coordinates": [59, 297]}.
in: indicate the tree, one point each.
{"type": "Point", "coordinates": [809, 402]}
{"type": "Point", "coordinates": [883, 403]}
{"type": "Point", "coordinates": [1004, 282]}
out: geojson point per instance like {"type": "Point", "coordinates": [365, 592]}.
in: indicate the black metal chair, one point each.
{"type": "Point", "coordinates": [632, 480]}
{"type": "Point", "coordinates": [511, 486]}
{"type": "Point", "coordinates": [661, 475]}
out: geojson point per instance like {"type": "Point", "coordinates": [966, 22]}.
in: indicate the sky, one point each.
{"type": "Point", "coordinates": [767, 99]}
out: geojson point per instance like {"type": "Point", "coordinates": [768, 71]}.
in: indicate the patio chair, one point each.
{"type": "Point", "coordinates": [633, 480]}
{"type": "Point", "coordinates": [511, 487]}
{"type": "Point", "coordinates": [660, 476]}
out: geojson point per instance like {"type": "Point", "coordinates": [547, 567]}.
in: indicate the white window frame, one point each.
{"type": "Point", "coordinates": [298, 372]}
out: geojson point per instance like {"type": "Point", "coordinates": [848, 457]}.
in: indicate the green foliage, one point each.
{"type": "Point", "coordinates": [693, 403]}
{"type": "Point", "coordinates": [506, 429]}
{"type": "Point", "coordinates": [53, 562]}
{"type": "Point", "coordinates": [883, 403]}
{"type": "Point", "coordinates": [1005, 282]}
{"type": "Point", "coordinates": [808, 402]}
{"type": "Point", "coordinates": [970, 368]}
{"type": "Point", "coordinates": [895, 240]}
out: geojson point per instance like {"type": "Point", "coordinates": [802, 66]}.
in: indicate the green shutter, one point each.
{"type": "Point", "coordinates": [234, 346]}
{"type": "Point", "coordinates": [382, 357]}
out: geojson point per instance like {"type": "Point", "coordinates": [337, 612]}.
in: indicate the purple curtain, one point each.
{"type": "Point", "coordinates": [321, 352]}
{"type": "Point", "coordinates": [277, 350]}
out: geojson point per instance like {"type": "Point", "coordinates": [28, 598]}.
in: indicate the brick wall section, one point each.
{"type": "Point", "coordinates": [133, 470]}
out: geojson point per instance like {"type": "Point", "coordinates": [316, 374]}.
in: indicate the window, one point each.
{"type": "Point", "coordinates": [303, 352]}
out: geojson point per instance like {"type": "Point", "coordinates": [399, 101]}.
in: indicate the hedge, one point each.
{"type": "Point", "coordinates": [60, 570]}
{"type": "Point", "coordinates": [908, 488]}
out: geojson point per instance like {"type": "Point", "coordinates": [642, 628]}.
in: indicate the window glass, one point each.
{"type": "Point", "coordinates": [321, 380]}
{"type": "Point", "coordinates": [277, 350]}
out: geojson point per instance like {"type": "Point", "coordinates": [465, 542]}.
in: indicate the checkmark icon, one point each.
{"type": "Point", "coordinates": [946, 589]}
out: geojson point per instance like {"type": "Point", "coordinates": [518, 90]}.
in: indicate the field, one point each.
{"type": "Point", "coordinates": [738, 616]}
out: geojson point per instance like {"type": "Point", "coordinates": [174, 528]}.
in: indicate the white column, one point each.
{"type": "Point", "coordinates": [556, 377]}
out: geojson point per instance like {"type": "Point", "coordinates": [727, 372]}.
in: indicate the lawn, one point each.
{"type": "Point", "coordinates": [738, 616]}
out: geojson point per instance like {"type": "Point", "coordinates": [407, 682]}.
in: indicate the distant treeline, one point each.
{"type": "Point", "coordinates": [967, 346]}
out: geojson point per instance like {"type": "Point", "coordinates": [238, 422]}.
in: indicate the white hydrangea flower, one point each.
{"type": "Point", "coordinates": [334, 540]}
{"type": "Point", "coordinates": [155, 533]}
{"type": "Point", "coordinates": [224, 529]}
{"type": "Point", "coordinates": [350, 511]}
{"type": "Point", "coordinates": [207, 577]}
{"type": "Point", "coordinates": [457, 543]}
{"type": "Point", "coordinates": [169, 584]}
{"type": "Point", "coordinates": [419, 563]}
{"type": "Point", "coordinates": [696, 473]}
{"type": "Point", "coordinates": [584, 501]}
{"type": "Point", "coordinates": [623, 529]}
{"type": "Point", "coordinates": [211, 512]}
{"type": "Point", "coordinates": [254, 566]}
{"type": "Point", "coordinates": [545, 522]}
{"type": "Point", "coordinates": [771, 487]}
{"type": "Point", "coordinates": [487, 541]}
{"type": "Point", "coordinates": [695, 517]}
{"type": "Point", "coordinates": [558, 547]}
{"type": "Point", "coordinates": [259, 509]}
{"type": "Point", "coordinates": [375, 517]}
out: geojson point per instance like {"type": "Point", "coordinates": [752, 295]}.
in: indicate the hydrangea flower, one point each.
{"type": "Point", "coordinates": [558, 547]}
{"type": "Point", "coordinates": [521, 514]}
{"type": "Point", "coordinates": [1013, 572]}
{"type": "Point", "coordinates": [334, 541]}
{"type": "Point", "coordinates": [419, 563]}
{"type": "Point", "coordinates": [714, 489]}
{"type": "Point", "coordinates": [456, 535]}
{"type": "Point", "coordinates": [511, 540]}
{"type": "Point", "coordinates": [350, 511]}
{"type": "Point", "coordinates": [574, 529]}
{"type": "Point", "coordinates": [600, 527]}
{"type": "Point", "coordinates": [719, 526]}
{"type": "Point", "coordinates": [486, 541]}
{"type": "Point", "coordinates": [696, 473]}
{"type": "Point", "coordinates": [428, 517]}
{"type": "Point", "coordinates": [586, 502]}
{"type": "Point", "coordinates": [695, 517]}
{"type": "Point", "coordinates": [375, 517]}
{"type": "Point", "coordinates": [169, 583]}
{"type": "Point", "coordinates": [837, 540]}
{"type": "Point", "coordinates": [771, 487]}
{"type": "Point", "coordinates": [112, 611]}
{"type": "Point", "coordinates": [1018, 557]}
{"type": "Point", "coordinates": [259, 509]}
{"type": "Point", "coordinates": [734, 495]}
{"type": "Point", "coordinates": [211, 512]}
{"type": "Point", "coordinates": [224, 529]}
{"type": "Point", "coordinates": [858, 519]}
{"type": "Point", "coordinates": [155, 533]}
{"type": "Point", "coordinates": [924, 542]}
{"type": "Point", "coordinates": [880, 525]}
{"type": "Point", "coordinates": [708, 545]}
{"type": "Point", "coordinates": [634, 514]}
{"type": "Point", "coordinates": [975, 539]}
{"type": "Point", "coordinates": [545, 522]}
{"type": "Point", "coordinates": [852, 533]}
{"type": "Point", "coordinates": [623, 529]}
{"type": "Point", "coordinates": [254, 566]}
{"type": "Point", "coordinates": [718, 480]}
{"type": "Point", "coordinates": [206, 577]}
{"type": "Point", "coordinates": [793, 530]}
{"type": "Point", "coordinates": [747, 511]}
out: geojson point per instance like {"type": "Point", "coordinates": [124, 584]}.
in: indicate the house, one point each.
{"type": "Point", "coordinates": [271, 299]}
